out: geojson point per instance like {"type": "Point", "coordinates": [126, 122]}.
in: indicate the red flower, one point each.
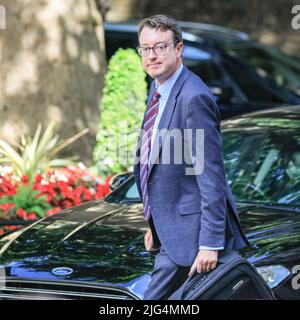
{"type": "Point", "coordinates": [6, 187]}
{"type": "Point", "coordinates": [101, 190]}
{"type": "Point", "coordinates": [25, 180]}
{"type": "Point", "coordinates": [76, 186]}
{"type": "Point", "coordinates": [77, 195]}
{"type": "Point", "coordinates": [32, 216]}
{"type": "Point", "coordinates": [21, 213]}
{"type": "Point", "coordinates": [10, 227]}
{"type": "Point", "coordinates": [87, 195]}
{"type": "Point", "coordinates": [53, 211]}
{"type": "Point", "coordinates": [38, 178]}
{"type": "Point", "coordinates": [5, 207]}
{"type": "Point", "coordinates": [67, 204]}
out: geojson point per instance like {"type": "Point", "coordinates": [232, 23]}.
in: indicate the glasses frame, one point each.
{"type": "Point", "coordinates": [167, 44]}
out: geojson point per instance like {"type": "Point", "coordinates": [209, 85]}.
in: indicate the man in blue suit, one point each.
{"type": "Point", "coordinates": [188, 204]}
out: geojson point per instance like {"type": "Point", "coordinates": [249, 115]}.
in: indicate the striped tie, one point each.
{"type": "Point", "coordinates": [148, 123]}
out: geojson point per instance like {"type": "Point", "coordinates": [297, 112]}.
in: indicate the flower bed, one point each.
{"type": "Point", "coordinates": [50, 193]}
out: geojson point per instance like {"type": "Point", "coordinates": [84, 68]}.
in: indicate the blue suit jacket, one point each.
{"type": "Point", "coordinates": [189, 211]}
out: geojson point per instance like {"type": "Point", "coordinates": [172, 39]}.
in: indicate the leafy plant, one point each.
{"type": "Point", "coordinates": [122, 107]}
{"type": "Point", "coordinates": [50, 193]}
{"type": "Point", "coordinates": [27, 200]}
{"type": "Point", "coordinates": [37, 154]}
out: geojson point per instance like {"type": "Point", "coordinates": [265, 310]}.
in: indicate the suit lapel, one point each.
{"type": "Point", "coordinates": [167, 115]}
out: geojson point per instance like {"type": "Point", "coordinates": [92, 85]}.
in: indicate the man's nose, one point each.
{"type": "Point", "coordinates": [152, 54]}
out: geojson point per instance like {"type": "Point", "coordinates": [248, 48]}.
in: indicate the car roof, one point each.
{"type": "Point", "coordinates": [213, 32]}
{"type": "Point", "coordinates": [133, 28]}
{"type": "Point", "coordinates": [192, 31]}
{"type": "Point", "coordinates": [283, 112]}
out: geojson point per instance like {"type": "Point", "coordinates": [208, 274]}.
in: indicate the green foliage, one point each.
{"type": "Point", "coordinates": [37, 154]}
{"type": "Point", "coordinates": [122, 108]}
{"type": "Point", "coordinates": [27, 199]}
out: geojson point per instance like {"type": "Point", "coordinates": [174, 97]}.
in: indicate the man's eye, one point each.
{"type": "Point", "coordinates": [160, 47]}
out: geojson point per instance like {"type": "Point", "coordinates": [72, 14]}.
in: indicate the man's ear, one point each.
{"type": "Point", "coordinates": [179, 49]}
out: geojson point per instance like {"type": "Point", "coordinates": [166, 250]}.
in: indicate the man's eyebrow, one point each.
{"type": "Point", "coordinates": [146, 45]}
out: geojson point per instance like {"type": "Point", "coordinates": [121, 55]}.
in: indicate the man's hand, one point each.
{"type": "Point", "coordinates": [148, 240]}
{"type": "Point", "coordinates": [205, 261]}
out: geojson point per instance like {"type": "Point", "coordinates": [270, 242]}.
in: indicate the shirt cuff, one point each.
{"type": "Point", "coordinates": [210, 248]}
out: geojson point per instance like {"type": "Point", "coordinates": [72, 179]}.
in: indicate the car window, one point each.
{"type": "Point", "coordinates": [126, 192]}
{"type": "Point", "coordinates": [261, 166]}
{"type": "Point", "coordinates": [132, 192]}
{"type": "Point", "coordinates": [207, 71]}
{"type": "Point", "coordinates": [114, 41]}
{"type": "Point", "coordinates": [271, 63]}
{"type": "Point", "coordinates": [250, 84]}
{"type": "Point", "coordinates": [203, 64]}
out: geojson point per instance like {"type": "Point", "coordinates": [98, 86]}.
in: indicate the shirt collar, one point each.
{"type": "Point", "coordinates": [165, 88]}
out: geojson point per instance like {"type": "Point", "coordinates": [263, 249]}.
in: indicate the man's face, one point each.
{"type": "Point", "coordinates": [160, 66]}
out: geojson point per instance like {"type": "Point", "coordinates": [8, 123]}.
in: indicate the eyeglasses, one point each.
{"type": "Point", "coordinates": [158, 49]}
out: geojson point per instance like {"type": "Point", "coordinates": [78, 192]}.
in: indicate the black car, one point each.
{"type": "Point", "coordinates": [243, 74]}
{"type": "Point", "coordinates": [96, 250]}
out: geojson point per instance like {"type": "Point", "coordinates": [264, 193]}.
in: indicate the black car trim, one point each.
{"type": "Point", "coordinates": [124, 293]}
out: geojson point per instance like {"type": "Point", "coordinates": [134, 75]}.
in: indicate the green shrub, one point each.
{"type": "Point", "coordinates": [122, 107]}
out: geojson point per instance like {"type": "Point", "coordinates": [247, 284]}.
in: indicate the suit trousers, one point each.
{"type": "Point", "coordinates": [166, 277]}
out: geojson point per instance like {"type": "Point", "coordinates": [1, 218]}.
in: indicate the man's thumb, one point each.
{"type": "Point", "coordinates": [193, 267]}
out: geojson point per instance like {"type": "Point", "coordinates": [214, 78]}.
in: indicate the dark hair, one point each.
{"type": "Point", "coordinates": [162, 23]}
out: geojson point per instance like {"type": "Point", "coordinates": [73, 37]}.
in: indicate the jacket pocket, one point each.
{"type": "Point", "coordinates": [189, 208]}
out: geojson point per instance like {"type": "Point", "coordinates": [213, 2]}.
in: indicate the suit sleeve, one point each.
{"type": "Point", "coordinates": [202, 113]}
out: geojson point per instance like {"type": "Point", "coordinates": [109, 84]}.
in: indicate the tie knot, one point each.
{"type": "Point", "coordinates": [156, 95]}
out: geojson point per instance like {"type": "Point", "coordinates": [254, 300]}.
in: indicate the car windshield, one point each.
{"type": "Point", "coordinates": [262, 161]}
{"type": "Point", "coordinates": [271, 63]}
